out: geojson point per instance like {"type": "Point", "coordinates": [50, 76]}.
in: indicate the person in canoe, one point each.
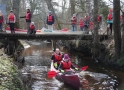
{"type": "Point", "coordinates": [66, 65]}
{"type": "Point", "coordinates": [56, 58]}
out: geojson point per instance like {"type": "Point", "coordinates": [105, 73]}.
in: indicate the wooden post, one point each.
{"type": "Point", "coordinates": [54, 44]}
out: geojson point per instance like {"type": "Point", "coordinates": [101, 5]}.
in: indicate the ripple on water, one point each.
{"type": "Point", "coordinates": [97, 81]}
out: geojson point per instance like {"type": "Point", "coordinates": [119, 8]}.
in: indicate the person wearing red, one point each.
{"type": "Point", "coordinates": [11, 21]}
{"type": "Point", "coordinates": [50, 21]}
{"type": "Point", "coordinates": [99, 19]}
{"type": "Point", "coordinates": [91, 25]}
{"type": "Point", "coordinates": [1, 21]}
{"type": "Point", "coordinates": [32, 28]}
{"type": "Point", "coordinates": [66, 64]}
{"type": "Point", "coordinates": [74, 22]}
{"type": "Point", "coordinates": [86, 23]}
{"type": "Point", "coordinates": [81, 24]}
{"type": "Point", "coordinates": [57, 58]}
{"type": "Point", "coordinates": [28, 17]}
{"type": "Point", "coordinates": [110, 21]}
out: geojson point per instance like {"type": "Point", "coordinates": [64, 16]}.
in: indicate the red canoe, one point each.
{"type": "Point", "coordinates": [69, 77]}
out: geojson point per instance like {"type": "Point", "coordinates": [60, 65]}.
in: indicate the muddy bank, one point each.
{"type": "Point", "coordinates": [10, 51]}
{"type": "Point", "coordinates": [106, 56]}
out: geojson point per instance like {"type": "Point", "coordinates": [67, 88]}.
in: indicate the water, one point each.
{"type": "Point", "coordinates": [37, 63]}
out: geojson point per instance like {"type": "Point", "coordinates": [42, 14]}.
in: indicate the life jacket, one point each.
{"type": "Point", "coordinates": [27, 16]}
{"type": "Point", "coordinates": [58, 58]}
{"type": "Point", "coordinates": [91, 25]}
{"type": "Point", "coordinates": [81, 23]}
{"type": "Point", "coordinates": [99, 18]}
{"type": "Point", "coordinates": [11, 17]}
{"type": "Point", "coordinates": [73, 21]}
{"type": "Point", "coordinates": [66, 65]}
{"type": "Point", "coordinates": [87, 18]}
{"type": "Point", "coordinates": [121, 18]}
{"type": "Point", "coordinates": [32, 27]}
{"type": "Point", "coordinates": [109, 16]}
{"type": "Point", "coordinates": [50, 18]}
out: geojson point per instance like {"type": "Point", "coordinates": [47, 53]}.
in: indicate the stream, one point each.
{"type": "Point", "coordinates": [34, 70]}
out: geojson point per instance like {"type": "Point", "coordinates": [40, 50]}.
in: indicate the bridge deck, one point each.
{"type": "Point", "coordinates": [55, 35]}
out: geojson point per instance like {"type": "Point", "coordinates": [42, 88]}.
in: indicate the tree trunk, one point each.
{"type": "Point", "coordinates": [117, 33]}
{"type": "Point", "coordinates": [122, 41]}
{"type": "Point", "coordinates": [16, 4]}
{"type": "Point", "coordinates": [96, 36]}
{"type": "Point", "coordinates": [50, 7]}
{"type": "Point", "coordinates": [88, 7]}
{"type": "Point", "coordinates": [72, 3]}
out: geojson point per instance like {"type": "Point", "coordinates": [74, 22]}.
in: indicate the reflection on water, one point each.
{"type": "Point", "coordinates": [37, 64]}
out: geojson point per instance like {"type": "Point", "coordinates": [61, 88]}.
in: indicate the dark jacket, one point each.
{"type": "Point", "coordinates": [50, 23]}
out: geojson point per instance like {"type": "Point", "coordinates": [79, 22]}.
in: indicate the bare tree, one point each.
{"type": "Point", "coordinates": [72, 4]}
{"type": "Point", "coordinates": [122, 41]}
{"type": "Point", "coordinates": [117, 33]}
{"type": "Point", "coordinates": [16, 4]}
{"type": "Point", "coordinates": [96, 37]}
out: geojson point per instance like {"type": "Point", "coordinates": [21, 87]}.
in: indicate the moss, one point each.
{"type": "Point", "coordinates": [8, 74]}
{"type": "Point", "coordinates": [120, 62]}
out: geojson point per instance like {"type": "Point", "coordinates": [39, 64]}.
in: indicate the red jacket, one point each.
{"type": "Point", "coordinates": [1, 18]}
{"type": "Point", "coordinates": [74, 20]}
{"type": "Point", "coordinates": [58, 58]}
{"type": "Point", "coordinates": [27, 17]}
{"type": "Point", "coordinates": [121, 18]}
{"type": "Point", "coordinates": [99, 18]}
{"type": "Point", "coordinates": [109, 16]}
{"type": "Point", "coordinates": [50, 19]}
{"type": "Point", "coordinates": [32, 27]}
{"type": "Point", "coordinates": [11, 18]}
{"type": "Point", "coordinates": [81, 23]}
{"type": "Point", "coordinates": [66, 65]}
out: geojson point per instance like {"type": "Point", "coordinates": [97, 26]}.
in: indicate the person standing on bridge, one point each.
{"type": "Point", "coordinates": [74, 22]}
{"type": "Point", "coordinates": [56, 58]}
{"type": "Point", "coordinates": [28, 17]}
{"type": "Point", "coordinates": [81, 24]}
{"type": "Point", "coordinates": [110, 21]}
{"type": "Point", "coordinates": [11, 21]}
{"type": "Point", "coordinates": [50, 21]}
{"type": "Point", "coordinates": [99, 19]}
{"type": "Point", "coordinates": [1, 21]}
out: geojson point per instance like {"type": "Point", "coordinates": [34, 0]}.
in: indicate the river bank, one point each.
{"type": "Point", "coordinates": [9, 76]}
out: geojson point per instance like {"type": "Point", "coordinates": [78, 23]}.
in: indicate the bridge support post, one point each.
{"type": "Point", "coordinates": [54, 44]}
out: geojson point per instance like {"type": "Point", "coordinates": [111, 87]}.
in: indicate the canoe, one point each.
{"type": "Point", "coordinates": [22, 31]}
{"type": "Point", "coordinates": [69, 78]}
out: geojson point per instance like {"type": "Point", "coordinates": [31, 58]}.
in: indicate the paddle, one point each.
{"type": "Point", "coordinates": [84, 68]}
{"type": "Point", "coordinates": [53, 73]}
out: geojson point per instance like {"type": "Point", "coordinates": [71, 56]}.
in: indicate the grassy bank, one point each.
{"type": "Point", "coordinates": [9, 78]}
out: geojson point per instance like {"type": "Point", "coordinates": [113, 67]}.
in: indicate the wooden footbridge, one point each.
{"type": "Point", "coordinates": [54, 35]}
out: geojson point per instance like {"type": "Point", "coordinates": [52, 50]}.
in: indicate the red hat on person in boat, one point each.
{"type": "Point", "coordinates": [66, 57]}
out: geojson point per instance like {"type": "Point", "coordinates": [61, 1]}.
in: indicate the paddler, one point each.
{"type": "Point", "coordinates": [56, 58]}
{"type": "Point", "coordinates": [66, 64]}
